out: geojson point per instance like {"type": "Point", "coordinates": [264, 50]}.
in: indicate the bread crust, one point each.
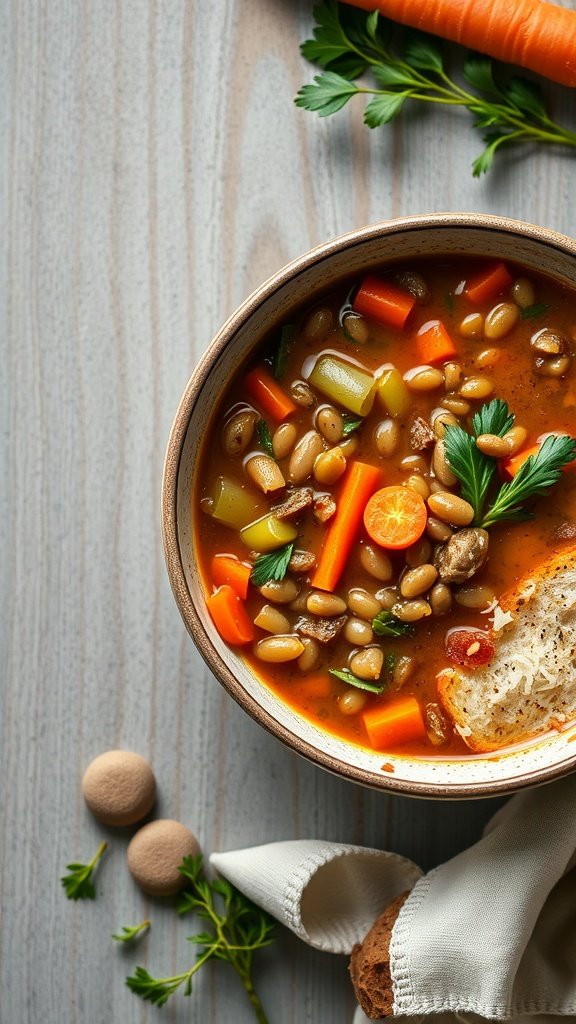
{"type": "Point", "coordinates": [370, 964]}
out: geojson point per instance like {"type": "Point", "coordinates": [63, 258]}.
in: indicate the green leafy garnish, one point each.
{"type": "Point", "coordinates": [348, 677]}
{"type": "Point", "coordinates": [390, 662]}
{"type": "Point", "coordinates": [533, 479]}
{"type": "Point", "coordinates": [264, 437]}
{"type": "Point", "coordinates": [351, 424]}
{"type": "Point", "coordinates": [78, 884]}
{"type": "Point", "coordinates": [346, 43]}
{"type": "Point", "coordinates": [280, 357]}
{"type": "Point", "coordinates": [531, 312]}
{"type": "Point", "coordinates": [235, 930]}
{"type": "Point", "coordinates": [386, 624]}
{"type": "Point", "coordinates": [473, 468]}
{"type": "Point", "coordinates": [272, 566]}
{"type": "Point", "coordinates": [130, 932]}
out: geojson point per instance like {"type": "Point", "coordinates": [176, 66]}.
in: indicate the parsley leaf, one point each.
{"type": "Point", "coordinates": [386, 624]}
{"type": "Point", "coordinates": [329, 93]}
{"type": "Point", "coordinates": [473, 468]}
{"type": "Point", "coordinates": [272, 566]}
{"type": "Point", "coordinates": [78, 884]}
{"type": "Point", "coordinates": [493, 418]}
{"type": "Point", "coordinates": [533, 479]}
{"type": "Point", "coordinates": [361, 684]}
{"type": "Point", "coordinates": [350, 424]}
{"type": "Point", "coordinates": [531, 312]}
{"type": "Point", "coordinates": [265, 437]}
{"type": "Point", "coordinates": [281, 354]}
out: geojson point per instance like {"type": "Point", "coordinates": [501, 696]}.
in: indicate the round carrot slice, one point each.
{"type": "Point", "coordinates": [395, 517]}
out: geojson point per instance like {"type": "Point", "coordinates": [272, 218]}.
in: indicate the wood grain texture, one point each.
{"type": "Point", "coordinates": [155, 170]}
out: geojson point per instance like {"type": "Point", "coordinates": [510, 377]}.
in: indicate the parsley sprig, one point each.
{"type": "Point", "coordinates": [272, 566]}
{"type": "Point", "coordinates": [130, 932]}
{"type": "Point", "coordinates": [346, 44]}
{"type": "Point", "coordinates": [78, 885]}
{"type": "Point", "coordinates": [534, 478]}
{"type": "Point", "coordinates": [236, 929]}
{"type": "Point", "coordinates": [473, 468]}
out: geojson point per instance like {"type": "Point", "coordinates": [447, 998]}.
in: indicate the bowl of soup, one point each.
{"type": "Point", "coordinates": [355, 481]}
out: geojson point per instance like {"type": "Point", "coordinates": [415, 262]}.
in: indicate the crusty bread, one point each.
{"type": "Point", "coordinates": [529, 686]}
{"type": "Point", "coordinates": [370, 964]}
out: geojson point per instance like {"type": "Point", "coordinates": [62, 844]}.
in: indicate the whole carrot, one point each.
{"type": "Point", "coordinates": [532, 33]}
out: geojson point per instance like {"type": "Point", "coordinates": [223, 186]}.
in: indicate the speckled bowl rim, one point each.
{"type": "Point", "coordinates": [172, 550]}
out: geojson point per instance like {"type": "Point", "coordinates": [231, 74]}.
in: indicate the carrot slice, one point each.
{"type": "Point", "coordinates": [395, 517]}
{"type": "Point", "coordinates": [226, 569]}
{"type": "Point", "coordinates": [488, 283]}
{"type": "Point", "coordinates": [230, 616]}
{"type": "Point", "coordinates": [265, 391]}
{"type": "Point", "coordinates": [359, 483]}
{"type": "Point", "coordinates": [395, 722]}
{"type": "Point", "coordinates": [384, 302]}
{"type": "Point", "coordinates": [434, 344]}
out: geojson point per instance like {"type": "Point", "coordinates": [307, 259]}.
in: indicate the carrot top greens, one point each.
{"type": "Point", "coordinates": [346, 44]}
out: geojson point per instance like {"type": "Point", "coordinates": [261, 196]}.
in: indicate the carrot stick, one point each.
{"type": "Point", "coordinates": [262, 387]}
{"type": "Point", "coordinates": [228, 570]}
{"type": "Point", "coordinates": [384, 302]}
{"type": "Point", "coordinates": [230, 616]}
{"type": "Point", "coordinates": [359, 483]}
{"type": "Point", "coordinates": [486, 285]}
{"type": "Point", "coordinates": [395, 722]}
{"type": "Point", "coordinates": [395, 517]}
{"type": "Point", "coordinates": [434, 344]}
{"type": "Point", "coordinates": [532, 33]}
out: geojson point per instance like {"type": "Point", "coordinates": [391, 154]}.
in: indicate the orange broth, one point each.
{"type": "Point", "coordinates": [539, 403]}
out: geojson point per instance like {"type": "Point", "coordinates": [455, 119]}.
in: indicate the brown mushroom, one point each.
{"type": "Point", "coordinates": [462, 556]}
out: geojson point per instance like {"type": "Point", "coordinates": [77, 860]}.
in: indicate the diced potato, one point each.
{"type": "Point", "coordinates": [233, 505]}
{"type": "Point", "coordinates": [268, 533]}
{"type": "Point", "coordinates": [342, 382]}
{"type": "Point", "coordinates": [393, 393]}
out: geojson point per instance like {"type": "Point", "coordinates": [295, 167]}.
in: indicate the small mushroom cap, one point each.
{"type": "Point", "coordinates": [119, 787]}
{"type": "Point", "coordinates": [156, 852]}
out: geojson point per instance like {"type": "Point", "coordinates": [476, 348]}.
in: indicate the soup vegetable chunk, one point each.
{"type": "Point", "coordinates": [389, 465]}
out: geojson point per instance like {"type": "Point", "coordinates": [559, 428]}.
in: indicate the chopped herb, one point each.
{"type": "Point", "coordinates": [130, 933]}
{"type": "Point", "coordinates": [386, 624]}
{"type": "Point", "coordinates": [346, 44]}
{"type": "Point", "coordinates": [264, 437]}
{"type": "Point", "coordinates": [236, 929]}
{"type": "Point", "coordinates": [348, 677]}
{"type": "Point", "coordinates": [350, 424]}
{"type": "Point", "coordinates": [78, 884]}
{"type": "Point", "coordinates": [531, 312]}
{"type": "Point", "coordinates": [272, 566]}
{"type": "Point", "coordinates": [280, 357]}
{"type": "Point", "coordinates": [533, 479]}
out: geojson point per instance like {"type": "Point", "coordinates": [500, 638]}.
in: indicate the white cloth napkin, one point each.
{"type": "Point", "coordinates": [490, 933]}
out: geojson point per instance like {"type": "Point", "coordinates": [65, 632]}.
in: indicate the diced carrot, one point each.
{"type": "Point", "coordinates": [434, 344]}
{"type": "Point", "coordinates": [358, 484]}
{"type": "Point", "coordinates": [488, 283]}
{"type": "Point", "coordinates": [268, 394]}
{"type": "Point", "coordinates": [230, 570]}
{"type": "Point", "coordinates": [398, 721]}
{"type": "Point", "coordinates": [395, 517]}
{"type": "Point", "coordinates": [230, 616]}
{"type": "Point", "coordinates": [384, 302]}
{"type": "Point", "coordinates": [510, 466]}
{"type": "Point", "coordinates": [316, 686]}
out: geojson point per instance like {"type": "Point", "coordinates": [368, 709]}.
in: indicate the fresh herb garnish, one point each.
{"type": "Point", "coordinates": [236, 929]}
{"type": "Point", "coordinates": [264, 437]}
{"type": "Point", "coordinates": [473, 468]}
{"type": "Point", "coordinates": [272, 566]}
{"type": "Point", "coordinates": [390, 662]}
{"type": "Point", "coordinates": [386, 624]}
{"type": "Point", "coordinates": [346, 43]}
{"type": "Point", "coordinates": [533, 479]}
{"type": "Point", "coordinates": [348, 677]}
{"type": "Point", "coordinates": [531, 312]}
{"type": "Point", "coordinates": [129, 933]}
{"type": "Point", "coordinates": [280, 357]}
{"type": "Point", "coordinates": [351, 424]}
{"type": "Point", "coordinates": [78, 884]}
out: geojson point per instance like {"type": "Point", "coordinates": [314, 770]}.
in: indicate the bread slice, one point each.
{"type": "Point", "coordinates": [370, 964]}
{"type": "Point", "coordinates": [529, 686]}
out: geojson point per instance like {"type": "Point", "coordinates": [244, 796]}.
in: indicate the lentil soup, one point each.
{"type": "Point", "coordinates": [336, 543]}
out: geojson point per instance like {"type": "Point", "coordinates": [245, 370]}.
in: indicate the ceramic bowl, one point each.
{"type": "Point", "coordinates": [320, 269]}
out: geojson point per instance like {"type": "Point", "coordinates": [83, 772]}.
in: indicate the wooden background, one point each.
{"type": "Point", "coordinates": [155, 170]}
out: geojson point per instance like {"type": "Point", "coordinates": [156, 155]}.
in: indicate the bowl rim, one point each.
{"type": "Point", "coordinates": [174, 562]}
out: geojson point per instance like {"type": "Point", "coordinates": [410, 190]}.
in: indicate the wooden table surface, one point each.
{"type": "Point", "coordinates": [155, 172]}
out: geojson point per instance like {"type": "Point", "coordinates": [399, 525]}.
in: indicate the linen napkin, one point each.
{"type": "Point", "coordinates": [490, 933]}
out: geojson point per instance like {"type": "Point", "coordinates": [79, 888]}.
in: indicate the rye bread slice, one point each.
{"type": "Point", "coordinates": [529, 686]}
{"type": "Point", "coordinates": [370, 964]}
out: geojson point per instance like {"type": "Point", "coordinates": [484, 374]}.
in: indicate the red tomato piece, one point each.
{"type": "Point", "coordinates": [469, 647]}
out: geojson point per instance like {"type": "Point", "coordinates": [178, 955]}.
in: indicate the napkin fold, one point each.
{"type": "Point", "coordinates": [491, 933]}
